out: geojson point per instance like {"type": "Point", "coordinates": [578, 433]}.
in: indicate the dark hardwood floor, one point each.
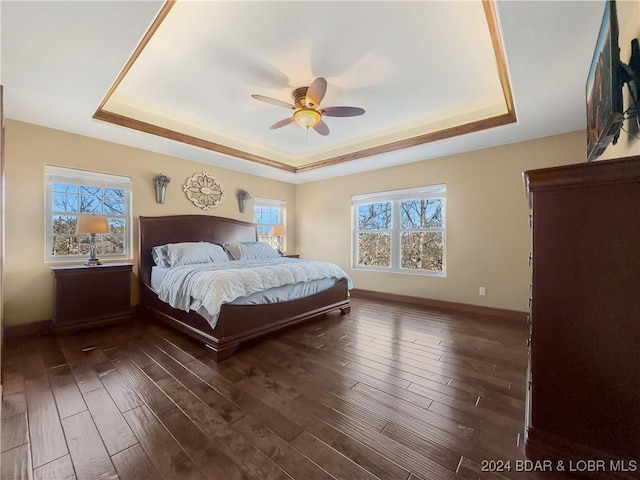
{"type": "Point", "coordinates": [390, 392]}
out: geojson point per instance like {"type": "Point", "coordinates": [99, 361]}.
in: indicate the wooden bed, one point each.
{"type": "Point", "coordinates": [236, 323]}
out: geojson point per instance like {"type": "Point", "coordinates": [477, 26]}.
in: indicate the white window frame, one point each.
{"type": "Point", "coordinates": [395, 197]}
{"type": "Point", "coordinates": [54, 174]}
{"type": "Point", "coordinates": [271, 203]}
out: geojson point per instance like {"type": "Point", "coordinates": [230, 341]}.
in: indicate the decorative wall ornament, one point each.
{"type": "Point", "coordinates": [160, 183]}
{"type": "Point", "coordinates": [203, 190]}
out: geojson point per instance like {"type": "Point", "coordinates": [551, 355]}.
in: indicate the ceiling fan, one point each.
{"type": "Point", "coordinates": [306, 103]}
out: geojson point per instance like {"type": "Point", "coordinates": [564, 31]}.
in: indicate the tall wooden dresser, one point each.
{"type": "Point", "coordinates": [584, 396]}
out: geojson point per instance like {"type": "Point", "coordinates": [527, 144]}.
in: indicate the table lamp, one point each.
{"type": "Point", "coordinates": [278, 231]}
{"type": "Point", "coordinates": [93, 224]}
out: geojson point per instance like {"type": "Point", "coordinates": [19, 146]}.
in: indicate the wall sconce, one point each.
{"type": "Point", "coordinates": [160, 183]}
{"type": "Point", "coordinates": [278, 231]}
{"type": "Point", "coordinates": [243, 196]}
{"type": "Point", "coordinates": [93, 224]}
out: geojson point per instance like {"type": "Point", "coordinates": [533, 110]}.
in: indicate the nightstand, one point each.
{"type": "Point", "coordinates": [291, 255]}
{"type": "Point", "coordinates": [91, 296]}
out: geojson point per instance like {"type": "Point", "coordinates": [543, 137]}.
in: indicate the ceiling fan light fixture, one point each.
{"type": "Point", "coordinates": [307, 117]}
{"type": "Point", "coordinates": [306, 106]}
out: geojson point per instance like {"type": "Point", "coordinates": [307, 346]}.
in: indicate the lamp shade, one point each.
{"type": "Point", "coordinates": [278, 231]}
{"type": "Point", "coordinates": [93, 224]}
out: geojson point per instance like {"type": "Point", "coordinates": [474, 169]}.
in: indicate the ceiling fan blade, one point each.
{"type": "Point", "coordinates": [342, 111]}
{"type": "Point", "coordinates": [322, 128]}
{"type": "Point", "coordinates": [316, 92]}
{"type": "Point", "coordinates": [274, 101]}
{"type": "Point", "coordinates": [281, 123]}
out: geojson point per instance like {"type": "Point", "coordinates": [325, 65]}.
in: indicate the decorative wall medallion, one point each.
{"type": "Point", "coordinates": [203, 190]}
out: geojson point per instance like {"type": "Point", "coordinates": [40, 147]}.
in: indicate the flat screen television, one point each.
{"type": "Point", "coordinates": [604, 87]}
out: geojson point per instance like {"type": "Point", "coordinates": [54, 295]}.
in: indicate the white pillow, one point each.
{"type": "Point", "coordinates": [188, 253]}
{"type": "Point", "coordinates": [160, 256]}
{"type": "Point", "coordinates": [250, 250]}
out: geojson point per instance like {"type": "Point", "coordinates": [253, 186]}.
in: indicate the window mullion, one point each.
{"type": "Point", "coordinates": [395, 236]}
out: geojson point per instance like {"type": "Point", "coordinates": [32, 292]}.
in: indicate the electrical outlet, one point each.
{"type": "Point", "coordinates": [482, 291]}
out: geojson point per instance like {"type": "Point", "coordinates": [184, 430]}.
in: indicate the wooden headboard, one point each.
{"type": "Point", "coordinates": [154, 231]}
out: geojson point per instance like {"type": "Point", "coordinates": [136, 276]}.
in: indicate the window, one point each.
{"type": "Point", "coordinates": [70, 193]}
{"type": "Point", "coordinates": [401, 231]}
{"type": "Point", "coordinates": [267, 214]}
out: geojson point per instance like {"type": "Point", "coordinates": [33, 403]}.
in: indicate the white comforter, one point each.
{"type": "Point", "coordinates": [210, 285]}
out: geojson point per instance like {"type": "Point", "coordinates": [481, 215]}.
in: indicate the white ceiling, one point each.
{"type": "Point", "coordinates": [406, 63]}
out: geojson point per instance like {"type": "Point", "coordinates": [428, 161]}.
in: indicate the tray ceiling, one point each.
{"type": "Point", "coordinates": [435, 78]}
{"type": "Point", "coordinates": [422, 71]}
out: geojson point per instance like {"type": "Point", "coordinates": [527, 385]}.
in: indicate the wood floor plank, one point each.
{"type": "Point", "coordinates": [299, 365]}
{"type": "Point", "coordinates": [288, 458]}
{"type": "Point", "coordinates": [367, 458]}
{"type": "Point", "coordinates": [336, 439]}
{"type": "Point", "coordinates": [412, 404]}
{"type": "Point", "coordinates": [161, 448]}
{"type": "Point", "coordinates": [113, 428]}
{"type": "Point", "coordinates": [267, 388]}
{"type": "Point", "coordinates": [68, 397]}
{"type": "Point", "coordinates": [13, 404]}
{"type": "Point", "coordinates": [14, 431]}
{"type": "Point", "coordinates": [226, 408]}
{"type": "Point", "coordinates": [478, 418]}
{"type": "Point", "coordinates": [144, 387]}
{"type": "Point", "coordinates": [140, 358]}
{"type": "Point", "coordinates": [412, 375]}
{"type": "Point", "coordinates": [221, 466]}
{"type": "Point", "coordinates": [465, 441]}
{"type": "Point", "coordinates": [189, 436]}
{"type": "Point", "coordinates": [82, 371]}
{"type": "Point", "coordinates": [12, 378]}
{"type": "Point", "coordinates": [432, 369]}
{"type": "Point", "coordinates": [90, 459]}
{"type": "Point", "coordinates": [270, 417]}
{"type": "Point", "coordinates": [47, 439]}
{"type": "Point", "coordinates": [214, 426]}
{"type": "Point", "coordinates": [15, 464]}
{"type": "Point", "coordinates": [389, 392]}
{"type": "Point", "coordinates": [504, 405]}
{"type": "Point", "coordinates": [345, 404]}
{"type": "Point", "coordinates": [50, 351]}
{"type": "Point", "coordinates": [489, 390]}
{"type": "Point", "coordinates": [134, 464]}
{"type": "Point", "coordinates": [333, 462]}
{"type": "Point", "coordinates": [440, 467]}
{"type": "Point", "coordinates": [121, 392]}
{"type": "Point", "coordinates": [59, 469]}
{"type": "Point", "coordinates": [164, 342]}
{"type": "Point", "coordinates": [33, 364]}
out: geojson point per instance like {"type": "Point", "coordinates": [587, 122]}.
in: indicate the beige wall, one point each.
{"type": "Point", "coordinates": [488, 237]}
{"type": "Point", "coordinates": [28, 281]}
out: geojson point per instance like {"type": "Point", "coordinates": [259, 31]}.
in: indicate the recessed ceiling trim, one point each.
{"type": "Point", "coordinates": [498, 50]}
{"type": "Point", "coordinates": [458, 130]}
{"type": "Point", "coordinates": [141, 126]}
{"type": "Point", "coordinates": [471, 127]}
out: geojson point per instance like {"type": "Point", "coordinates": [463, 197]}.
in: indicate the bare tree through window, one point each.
{"type": "Point", "coordinates": [374, 237]}
{"type": "Point", "coordinates": [401, 234]}
{"type": "Point", "coordinates": [421, 233]}
{"type": "Point", "coordinates": [68, 201]}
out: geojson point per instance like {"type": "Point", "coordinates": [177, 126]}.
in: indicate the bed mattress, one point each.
{"type": "Point", "coordinates": [281, 293]}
